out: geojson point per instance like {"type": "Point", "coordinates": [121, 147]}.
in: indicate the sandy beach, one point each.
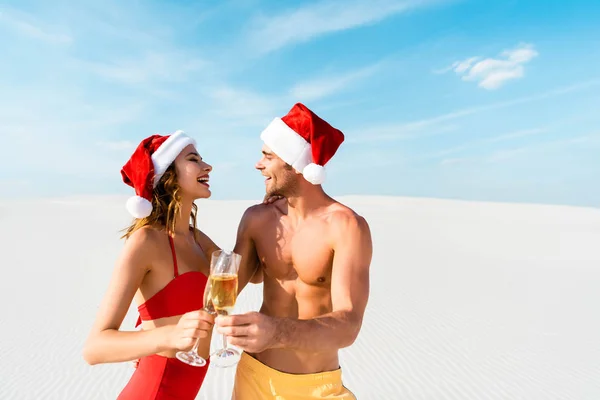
{"type": "Point", "coordinates": [469, 300]}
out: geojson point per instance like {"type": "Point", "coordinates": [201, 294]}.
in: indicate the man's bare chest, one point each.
{"type": "Point", "coordinates": [296, 254]}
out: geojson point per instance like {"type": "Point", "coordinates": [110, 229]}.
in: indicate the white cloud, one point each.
{"type": "Point", "coordinates": [458, 66]}
{"type": "Point", "coordinates": [503, 155]}
{"type": "Point", "coordinates": [507, 154]}
{"type": "Point", "coordinates": [444, 153]}
{"type": "Point", "coordinates": [448, 162]}
{"type": "Point", "coordinates": [312, 20]}
{"type": "Point", "coordinates": [26, 25]}
{"type": "Point", "coordinates": [517, 134]}
{"type": "Point", "coordinates": [586, 139]}
{"type": "Point", "coordinates": [438, 125]}
{"type": "Point", "coordinates": [245, 107]}
{"type": "Point", "coordinates": [147, 68]}
{"type": "Point", "coordinates": [463, 66]}
{"type": "Point", "coordinates": [326, 86]}
{"type": "Point", "coordinates": [118, 145]}
{"type": "Point", "coordinates": [450, 150]}
{"type": "Point", "coordinates": [389, 133]}
{"type": "Point", "coordinates": [241, 106]}
{"type": "Point", "coordinates": [57, 138]}
{"type": "Point", "coordinates": [432, 126]}
{"type": "Point", "coordinates": [492, 73]}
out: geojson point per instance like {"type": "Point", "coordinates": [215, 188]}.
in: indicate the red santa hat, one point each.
{"type": "Point", "coordinates": [147, 165]}
{"type": "Point", "coordinates": [304, 141]}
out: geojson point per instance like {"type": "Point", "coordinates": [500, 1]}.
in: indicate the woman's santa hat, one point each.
{"type": "Point", "coordinates": [147, 165]}
{"type": "Point", "coordinates": [304, 141]}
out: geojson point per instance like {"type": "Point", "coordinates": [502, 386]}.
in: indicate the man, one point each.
{"type": "Point", "coordinates": [313, 255]}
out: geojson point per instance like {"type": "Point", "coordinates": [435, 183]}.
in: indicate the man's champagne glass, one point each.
{"type": "Point", "coordinates": [224, 282]}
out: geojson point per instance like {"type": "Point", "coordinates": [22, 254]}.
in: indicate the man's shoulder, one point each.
{"type": "Point", "coordinates": [347, 226]}
{"type": "Point", "coordinates": [341, 217]}
{"type": "Point", "coordinates": [256, 211]}
{"type": "Point", "coordinates": [262, 212]}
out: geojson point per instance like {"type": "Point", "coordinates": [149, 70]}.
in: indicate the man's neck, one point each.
{"type": "Point", "coordinates": [302, 204]}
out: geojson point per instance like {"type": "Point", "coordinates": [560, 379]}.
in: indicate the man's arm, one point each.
{"type": "Point", "coordinates": [245, 247]}
{"type": "Point", "coordinates": [352, 247]}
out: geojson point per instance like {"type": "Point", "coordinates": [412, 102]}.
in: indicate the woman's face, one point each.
{"type": "Point", "coordinates": [192, 174]}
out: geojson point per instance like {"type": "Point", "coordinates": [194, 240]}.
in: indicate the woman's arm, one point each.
{"type": "Point", "coordinates": [105, 343]}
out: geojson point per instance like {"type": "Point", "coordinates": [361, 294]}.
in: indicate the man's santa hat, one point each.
{"type": "Point", "coordinates": [304, 141]}
{"type": "Point", "coordinates": [147, 165]}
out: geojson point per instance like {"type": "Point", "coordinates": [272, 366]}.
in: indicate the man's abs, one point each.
{"type": "Point", "coordinates": [302, 303]}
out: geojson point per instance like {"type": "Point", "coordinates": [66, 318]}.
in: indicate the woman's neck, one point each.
{"type": "Point", "coordinates": [182, 221]}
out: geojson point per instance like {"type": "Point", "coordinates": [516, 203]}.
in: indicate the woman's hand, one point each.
{"type": "Point", "coordinates": [191, 326]}
{"type": "Point", "coordinates": [271, 199]}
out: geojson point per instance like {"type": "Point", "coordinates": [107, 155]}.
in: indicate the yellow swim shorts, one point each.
{"type": "Point", "coordinates": [256, 381]}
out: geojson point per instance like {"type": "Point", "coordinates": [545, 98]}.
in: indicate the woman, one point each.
{"type": "Point", "coordinates": [164, 267]}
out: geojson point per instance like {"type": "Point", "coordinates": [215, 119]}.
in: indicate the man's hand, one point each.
{"type": "Point", "coordinates": [252, 332]}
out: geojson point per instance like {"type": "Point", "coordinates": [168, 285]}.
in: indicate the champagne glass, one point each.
{"type": "Point", "coordinates": [192, 357]}
{"type": "Point", "coordinates": [224, 281]}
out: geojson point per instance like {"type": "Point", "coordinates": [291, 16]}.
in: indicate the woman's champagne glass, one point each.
{"type": "Point", "coordinates": [192, 357]}
{"type": "Point", "coordinates": [224, 290]}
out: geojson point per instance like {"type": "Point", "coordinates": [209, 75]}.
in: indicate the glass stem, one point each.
{"type": "Point", "coordinates": [224, 337]}
{"type": "Point", "coordinates": [195, 348]}
{"type": "Point", "coordinates": [224, 342]}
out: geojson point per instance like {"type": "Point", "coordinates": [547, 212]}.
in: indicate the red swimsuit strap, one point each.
{"type": "Point", "coordinates": [175, 272]}
{"type": "Point", "coordinates": [175, 269]}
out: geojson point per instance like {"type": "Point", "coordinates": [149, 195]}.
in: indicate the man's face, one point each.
{"type": "Point", "coordinates": [281, 179]}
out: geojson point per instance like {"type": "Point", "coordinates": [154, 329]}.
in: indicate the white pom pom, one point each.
{"type": "Point", "coordinates": [138, 206]}
{"type": "Point", "coordinates": [314, 173]}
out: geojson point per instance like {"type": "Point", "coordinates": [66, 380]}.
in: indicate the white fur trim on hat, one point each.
{"type": "Point", "coordinates": [314, 173]}
{"type": "Point", "coordinates": [287, 144]}
{"type": "Point", "coordinates": [168, 151]}
{"type": "Point", "coordinates": [138, 206]}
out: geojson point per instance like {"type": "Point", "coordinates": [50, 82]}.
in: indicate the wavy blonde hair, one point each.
{"type": "Point", "coordinates": [166, 206]}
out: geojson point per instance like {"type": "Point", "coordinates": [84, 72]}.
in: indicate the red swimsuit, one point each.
{"type": "Point", "coordinates": [158, 377]}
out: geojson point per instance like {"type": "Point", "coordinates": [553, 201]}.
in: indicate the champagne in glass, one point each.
{"type": "Point", "coordinates": [224, 292]}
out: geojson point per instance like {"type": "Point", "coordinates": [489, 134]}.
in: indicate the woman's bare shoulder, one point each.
{"type": "Point", "coordinates": [146, 234]}
{"type": "Point", "coordinates": [145, 240]}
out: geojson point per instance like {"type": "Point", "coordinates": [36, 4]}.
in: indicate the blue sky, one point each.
{"type": "Point", "coordinates": [478, 100]}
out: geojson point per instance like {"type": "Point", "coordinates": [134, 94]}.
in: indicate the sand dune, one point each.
{"type": "Point", "coordinates": [469, 301]}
